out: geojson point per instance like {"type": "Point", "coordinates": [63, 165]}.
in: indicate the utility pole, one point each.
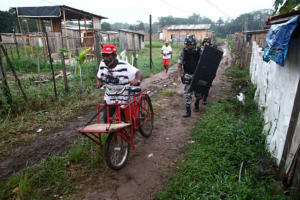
{"type": "Point", "coordinates": [150, 41]}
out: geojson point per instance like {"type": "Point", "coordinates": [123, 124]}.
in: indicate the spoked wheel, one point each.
{"type": "Point", "coordinates": [116, 151]}
{"type": "Point", "coordinates": [146, 116]}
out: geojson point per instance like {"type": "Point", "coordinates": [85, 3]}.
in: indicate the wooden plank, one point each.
{"type": "Point", "coordinates": [290, 132]}
{"type": "Point", "coordinates": [43, 39]}
{"type": "Point", "coordinates": [22, 36]}
{"type": "Point", "coordinates": [65, 35]}
{"type": "Point", "coordinates": [103, 127]}
{"type": "Point", "coordinates": [56, 24]}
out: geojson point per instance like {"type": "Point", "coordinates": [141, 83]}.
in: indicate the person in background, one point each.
{"type": "Point", "coordinates": [188, 60]}
{"type": "Point", "coordinates": [166, 52]}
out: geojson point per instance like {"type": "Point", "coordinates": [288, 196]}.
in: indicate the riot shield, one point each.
{"type": "Point", "coordinates": [206, 69]}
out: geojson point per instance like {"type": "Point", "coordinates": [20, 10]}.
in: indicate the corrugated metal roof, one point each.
{"type": "Point", "coordinates": [189, 27]}
{"type": "Point", "coordinates": [278, 19]}
{"type": "Point", "coordinates": [130, 31]}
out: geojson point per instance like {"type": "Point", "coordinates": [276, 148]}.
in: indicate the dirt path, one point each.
{"type": "Point", "coordinates": [153, 159]}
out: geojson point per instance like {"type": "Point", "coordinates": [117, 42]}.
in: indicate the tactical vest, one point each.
{"type": "Point", "coordinates": [190, 59]}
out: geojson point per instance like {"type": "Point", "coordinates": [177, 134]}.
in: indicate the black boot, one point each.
{"type": "Point", "coordinates": [196, 109]}
{"type": "Point", "coordinates": [188, 112]}
{"type": "Point", "coordinates": [204, 102]}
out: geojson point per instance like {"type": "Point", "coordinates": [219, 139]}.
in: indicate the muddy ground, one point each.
{"type": "Point", "coordinates": [153, 160]}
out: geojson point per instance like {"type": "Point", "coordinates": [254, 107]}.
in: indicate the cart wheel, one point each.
{"type": "Point", "coordinates": [146, 116]}
{"type": "Point", "coordinates": [116, 151]}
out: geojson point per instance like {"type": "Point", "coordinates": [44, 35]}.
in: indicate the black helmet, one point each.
{"type": "Point", "coordinates": [190, 40]}
{"type": "Point", "coordinates": [207, 39]}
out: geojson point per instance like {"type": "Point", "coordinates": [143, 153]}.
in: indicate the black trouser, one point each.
{"type": "Point", "coordinates": [112, 110]}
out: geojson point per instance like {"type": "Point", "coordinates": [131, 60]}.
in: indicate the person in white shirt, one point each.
{"type": "Point", "coordinates": [116, 75]}
{"type": "Point", "coordinates": [166, 51]}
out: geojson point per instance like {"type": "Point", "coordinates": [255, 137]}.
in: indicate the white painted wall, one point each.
{"type": "Point", "coordinates": [275, 93]}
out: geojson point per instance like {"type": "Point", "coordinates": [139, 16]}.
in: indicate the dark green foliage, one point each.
{"type": "Point", "coordinates": [106, 26]}
{"type": "Point", "coordinates": [29, 65]}
{"type": "Point", "coordinates": [8, 21]}
{"type": "Point", "coordinates": [285, 6]}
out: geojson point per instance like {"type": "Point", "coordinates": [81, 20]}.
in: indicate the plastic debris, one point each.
{"type": "Point", "coordinates": [39, 130]}
{"type": "Point", "coordinates": [241, 97]}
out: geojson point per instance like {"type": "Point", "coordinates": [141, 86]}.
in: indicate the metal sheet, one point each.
{"type": "Point", "coordinates": [42, 11]}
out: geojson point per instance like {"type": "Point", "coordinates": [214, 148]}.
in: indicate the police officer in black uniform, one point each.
{"type": "Point", "coordinates": [188, 60]}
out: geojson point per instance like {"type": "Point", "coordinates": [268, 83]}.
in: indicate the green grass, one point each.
{"type": "Point", "coordinates": [55, 176]}
{"type": "Point", "coordinates": [240, 78]}
{"type": "Point", "coordinates": [220, 41]}
{"type": "Point", "coordinates": [231, 45]}
{"type": "Point", "coordinates": [143, 61]}
{"type": "Point", "coordinates": [226, 136]}
{"type": "Point", "coordinates": [20, 120]}
{"type": "Point", "coordinates": [166, 93]}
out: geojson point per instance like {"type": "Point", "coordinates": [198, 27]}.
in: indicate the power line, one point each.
{"type": "Point", "coordinates": [49, 2]}
{"type": "Point", "coordinates": [174, 7]}
{"type": "Point", "coordinates": [217, 8]}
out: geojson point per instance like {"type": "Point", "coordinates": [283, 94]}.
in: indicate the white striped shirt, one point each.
{"type": "Point", "coordinates": [115, 80]}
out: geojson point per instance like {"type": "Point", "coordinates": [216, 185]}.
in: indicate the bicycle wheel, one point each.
{"type": "Point", "coordinates": [146, 116]}
{"type": "Point", "coordinates": [116, 151]}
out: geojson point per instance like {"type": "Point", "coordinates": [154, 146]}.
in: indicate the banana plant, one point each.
{"type": "Point", "coordinates": [83, 55]}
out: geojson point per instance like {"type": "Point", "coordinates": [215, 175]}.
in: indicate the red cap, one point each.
{"type": "Point", "coordinates": [109, 48]}
{"type": "Point", "coordinates": [167, 42]}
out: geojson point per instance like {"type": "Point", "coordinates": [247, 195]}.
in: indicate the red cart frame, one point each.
{"type": "Point", "coordinates": [121, 126]}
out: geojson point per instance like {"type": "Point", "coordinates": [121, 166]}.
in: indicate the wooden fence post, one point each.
{"type": "Point", "coordinates": [51, 64]}
{"type": "Point", "coordinates": [97, 46]}
{"type": "Point", "coordinates": [38, 68]}
{"type": "Point", "coordinates": [150, 40]}
{"type": "Point", "coordinates": [16, 42]}
{"type": "Point", "coordinates": [5, 86]}
{"type": "Point", "coordinates": [63, 64]}
{"type": "Point", "coordinates": [13, 71]}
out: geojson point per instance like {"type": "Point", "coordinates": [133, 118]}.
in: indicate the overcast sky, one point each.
{"type": "Point", "coordinates": [131, 11]}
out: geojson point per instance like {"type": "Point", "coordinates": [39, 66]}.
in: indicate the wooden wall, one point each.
{"type": "Point", "coordinates": [199, 34]}
{"type": "Point", "coordinates": [259, 38]}
{"type": "Point", "coordinates": [131, 41]}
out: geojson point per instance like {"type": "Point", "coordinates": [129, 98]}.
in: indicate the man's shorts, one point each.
{"type": "Point", "coordinates": [166, 62]}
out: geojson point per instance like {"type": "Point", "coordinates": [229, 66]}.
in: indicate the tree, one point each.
{"type": "Point", "coordinates": [220, 22]}
{"type": "Point", "coordinates": [140, 26]}
{"type": "Point", "coordinates": [106, 26]}
{"type": "Point", "coordinates": [8, 21]}
{"type": "Point", "coordinates": [286, 6]}
{"type": "Point", "coordinates": [132, 27]}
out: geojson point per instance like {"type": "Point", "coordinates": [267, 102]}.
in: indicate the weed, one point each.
{"type": "Point", "coordinates": [167, 93]}
{"type": "Point", "coordinates": [76, 153]}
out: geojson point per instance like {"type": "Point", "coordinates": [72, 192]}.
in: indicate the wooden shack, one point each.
{"type": "Point", "coordinates": [258, 36]}
{"type": "Point", "coordinates": [177, 33]}
{"type": "Point", "coordinates": [59, 35]}
{"type": "Point", "coordinates": [131, 40]}
{"type": "Point", "coordinates": [109, 36]}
